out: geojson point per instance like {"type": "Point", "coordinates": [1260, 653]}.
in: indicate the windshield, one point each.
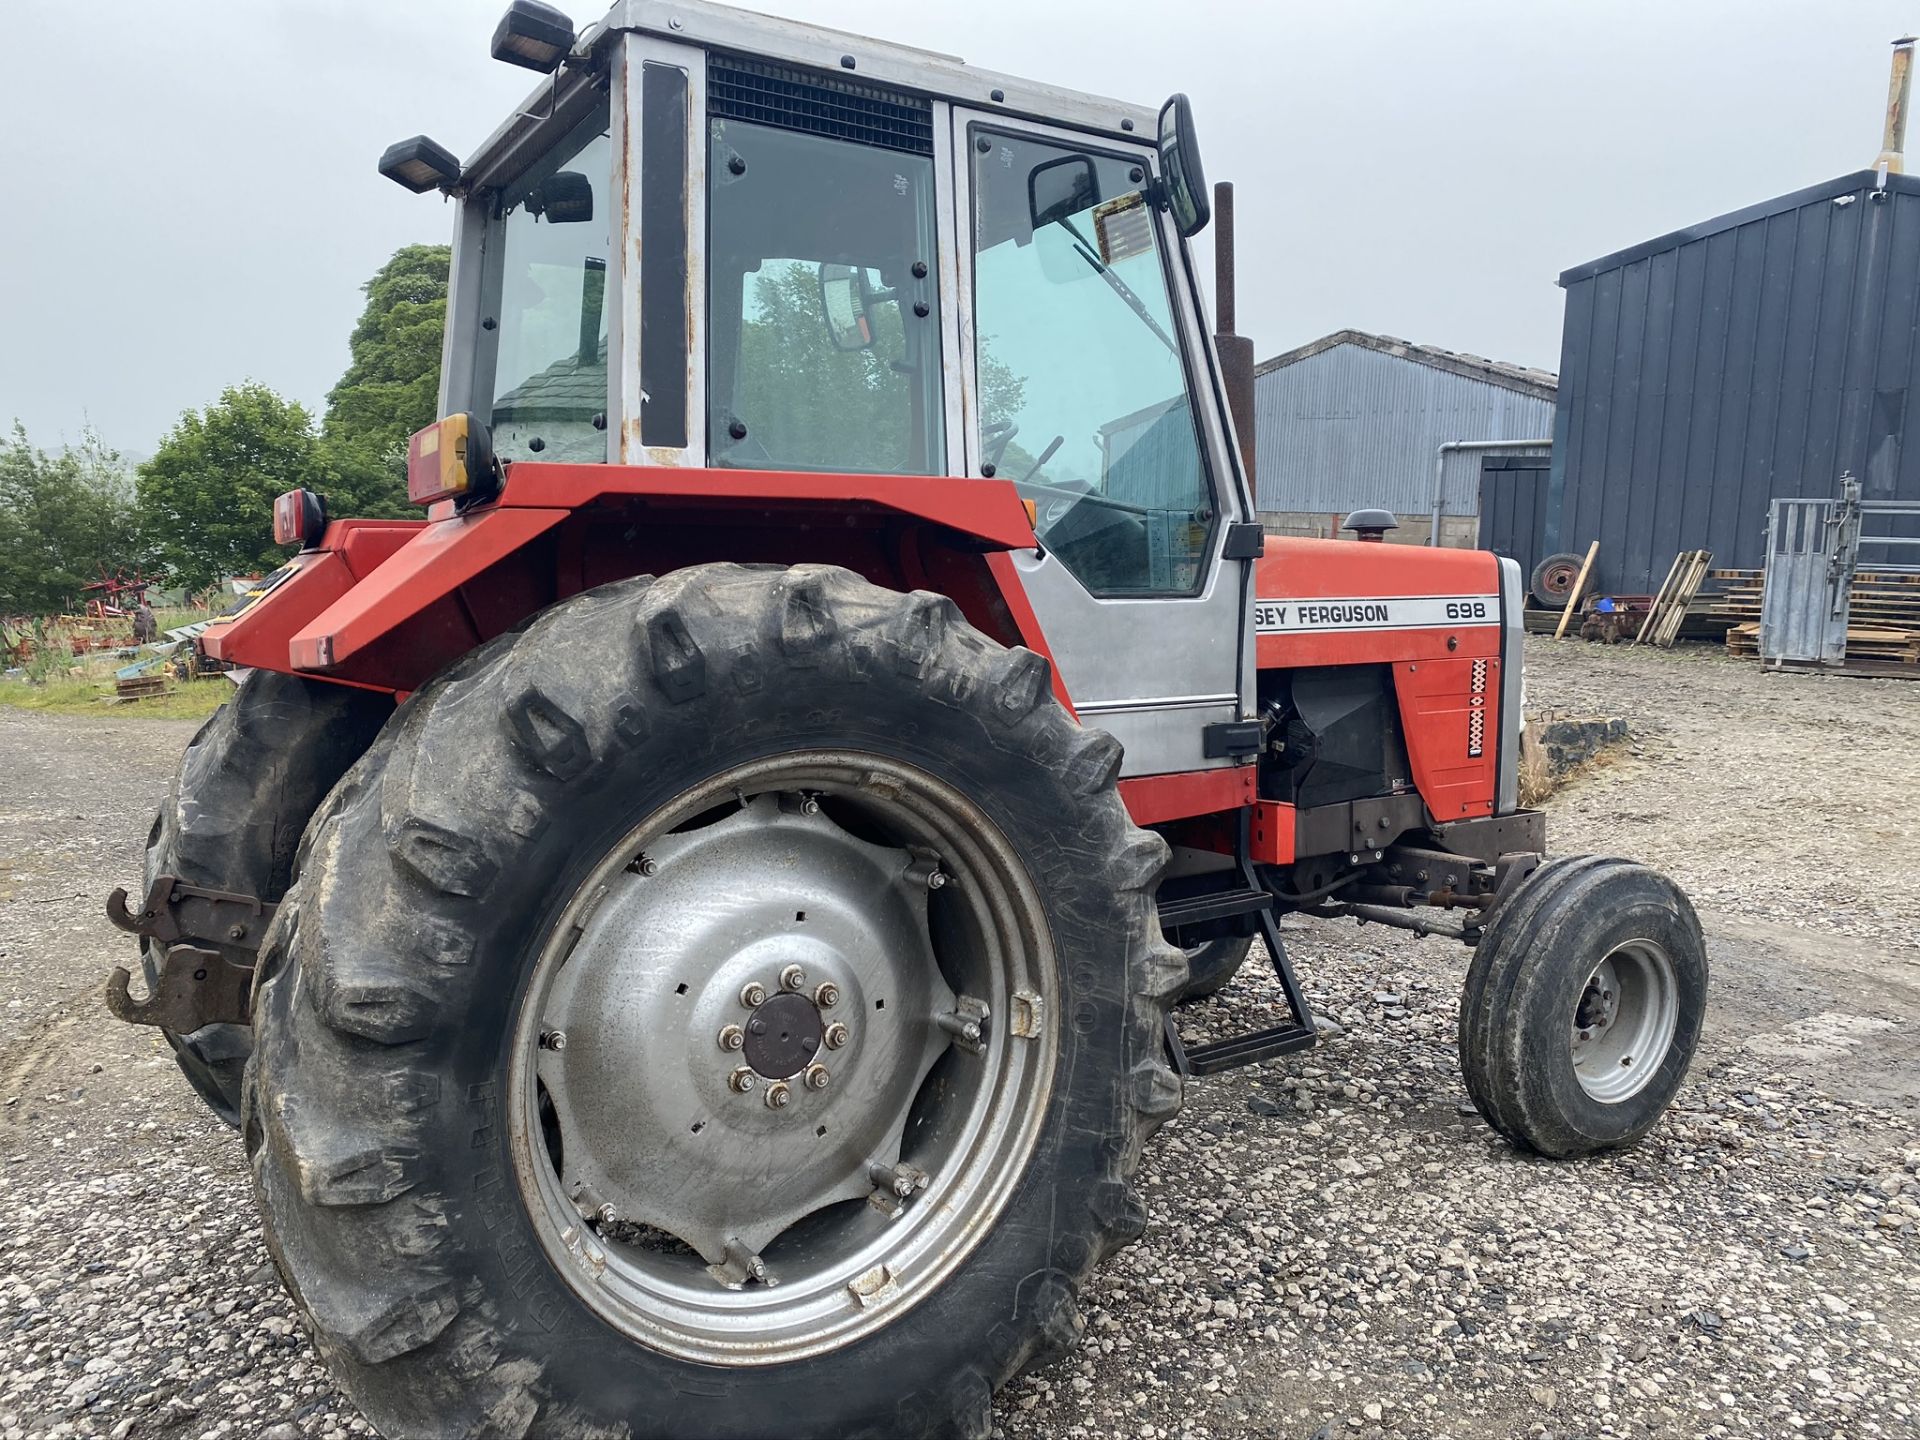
{"type": "Point", "coordinates": [801, 228]}
{"type": "Point", "coordinates": [550, 374]}
{"type": "Point", "coordinates": [1083, 393]}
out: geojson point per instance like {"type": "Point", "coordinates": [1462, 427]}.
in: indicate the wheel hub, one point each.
{"type": "Point", "coordinates": [782, 1035]}
{"type": "Point", "coordinates": [1624, 1022]}
{"type": "Point", "coordinates": [887, 935]}
{"type": "Point", "coordinates": [697, 1093]}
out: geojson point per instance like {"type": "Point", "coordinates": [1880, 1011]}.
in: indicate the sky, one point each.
{"type": "Point", "coordinates": [188, 196]}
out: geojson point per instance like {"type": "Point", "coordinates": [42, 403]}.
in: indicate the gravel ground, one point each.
{"type": "Point", "coordinates": [1339, 1247]}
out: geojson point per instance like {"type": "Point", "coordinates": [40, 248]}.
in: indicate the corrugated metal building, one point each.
{"type": "Point", "coordinates": [1752, 356]}
{"type": "Point", "coordinates": [1354, 419]}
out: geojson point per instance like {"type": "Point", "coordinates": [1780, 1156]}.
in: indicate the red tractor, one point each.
{"type": "Point", "coordinates": [687, 929]}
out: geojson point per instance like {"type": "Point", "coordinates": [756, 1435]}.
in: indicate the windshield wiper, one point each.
{"type": "Point", "coordinates": [1119, 287]}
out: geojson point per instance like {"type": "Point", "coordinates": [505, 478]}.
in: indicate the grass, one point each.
{"type": "Point", "coordinates": [80, 696]}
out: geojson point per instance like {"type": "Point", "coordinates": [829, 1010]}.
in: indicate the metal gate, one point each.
{"type": "Point", "coordinates": [1813, 550]}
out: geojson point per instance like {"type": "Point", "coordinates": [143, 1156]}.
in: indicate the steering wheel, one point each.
{"type": "Point", "coordinates": [995, 436]}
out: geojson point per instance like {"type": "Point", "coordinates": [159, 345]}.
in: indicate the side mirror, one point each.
{"type": "Point", "coordinates": [844, 302]}
{"type": "Point", "coordinates": [563, 198]}
{"type": "Point", "coordinates": [1061, 189]}
{"type": "Point", "coordinates": [1180, 168]}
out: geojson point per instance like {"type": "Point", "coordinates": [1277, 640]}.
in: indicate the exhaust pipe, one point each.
{"type": "Point", "coordinates": [1893, 142]}
{"type": "Point", "coordinates": [1236, 351]}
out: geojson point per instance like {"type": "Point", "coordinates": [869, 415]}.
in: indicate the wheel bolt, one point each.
{"type": "Point", "coordinates": [732, 1037]}
{"type": "Point", "coordinates": [752, 993]}
{"type": "Point", "coordinates": [742, 1079]}
{"type": "Point", "coordinates": [792, 978]}
{"type": "Point", "coordinates": [836, 1035]}
{"type": "Point", "coordinates": [553, 1039]}
{"type": "Point", "coordinates": [777, 1095]}
{"type": "Point", "coordinates": [817, 1077]}
{"type": "Point", "coordinates": [827, 996]}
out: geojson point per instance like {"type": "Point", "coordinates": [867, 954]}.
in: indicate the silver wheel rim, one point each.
{"type": "Point", "coordinates": [1624, 1021]}
{"type": "Point", "coordinates": [741, 1175]}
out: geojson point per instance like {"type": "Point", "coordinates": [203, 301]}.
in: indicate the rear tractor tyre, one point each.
{"type": "Point", "coordinates": [1583, 1006]}
{"type": "Point", "coordinates": [247, 785]}
{"type": "Point", "coordinates": [1213, 963]}
{"type": "Point", "coordinates": [731, 1006]}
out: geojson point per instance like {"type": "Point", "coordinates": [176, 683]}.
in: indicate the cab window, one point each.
{"type": "Point", "coordinates": [550, 374]}
{"type": "Point", "coordinates": [1084, 396]}
{"type": "Point", "coordinates": [823, 322]}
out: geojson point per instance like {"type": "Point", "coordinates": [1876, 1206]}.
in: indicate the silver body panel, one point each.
{"type": "Point", "coordinates": [1513, 636]}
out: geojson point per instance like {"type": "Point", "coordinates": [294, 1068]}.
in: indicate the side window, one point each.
{"type": "Point", "coordinates": [823, 320]}
{"type": "Point", "coordinates": [550, 377]}
{"type": "Point", "coordinates": [1084, 401]}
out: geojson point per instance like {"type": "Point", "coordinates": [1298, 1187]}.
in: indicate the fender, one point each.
{"type": "Point", "coordinates": [388, 604]}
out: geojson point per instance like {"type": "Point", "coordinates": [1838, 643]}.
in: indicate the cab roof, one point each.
{"type": "Point", "coordinates": [725, 28]}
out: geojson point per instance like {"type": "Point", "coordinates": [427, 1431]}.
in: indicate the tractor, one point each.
{"type": "Point", "coordinates": [687, 927]}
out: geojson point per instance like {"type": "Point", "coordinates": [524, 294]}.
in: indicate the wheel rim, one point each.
{"type": "Point", "coordinates": [750, 1120]}
{"type": "Point", "coordinates": [1624, 1022]}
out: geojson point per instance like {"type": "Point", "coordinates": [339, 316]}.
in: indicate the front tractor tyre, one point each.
{"type": "Point", "coordinates": [731, 1007]}
{"type": "Point", "coordinates": [1583, 1006]}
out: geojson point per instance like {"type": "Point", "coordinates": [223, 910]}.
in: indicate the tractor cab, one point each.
{"type": "Point", "coordinates": [719, 241]}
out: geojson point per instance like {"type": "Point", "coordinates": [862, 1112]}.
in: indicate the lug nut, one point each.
{"type": "Point", "coordinates": [836, 1035]}
{"type": "Point", "coordinates": [937, 879]}
{"type": "Point", "coordinates": [606, 1215]}
{"type": "Point", "coordinates": [792, 978]}
{"type": "Point", "coordinates": [732, 1037]}
{"type": "Point", "coordinates": [809, 805]}
{"type": "Point", "coordinates": [553, 1039]}
{"type": "Point", "coordinates": [742, 1080]}
{"type": "Point", "coordinates": [827, 996]}
{"type": "Point", "coordinates": [753, 993]}
{"type": "Point", "coordinates": [777, 1095]}
{"type": "Point", "coordinates": [817, 1077]}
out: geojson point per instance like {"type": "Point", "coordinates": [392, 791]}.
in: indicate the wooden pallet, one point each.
{"type": "Point", "coordinates": [141, 687]}
{"type": "Point", "coordinates": [1883, 617]}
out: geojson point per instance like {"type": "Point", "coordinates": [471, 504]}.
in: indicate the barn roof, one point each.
{"type": "Point", "coordinates": [1826, 191]}
{"type": "Point", "coordinates": [1542, 384]}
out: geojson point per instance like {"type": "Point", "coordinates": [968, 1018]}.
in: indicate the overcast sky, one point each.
{"type": "Point", "coordinates": [190, 197]}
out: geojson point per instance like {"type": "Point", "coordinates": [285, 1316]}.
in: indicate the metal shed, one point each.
{"type": "Point", "coordinates": [1354, 419]}
{"type": "Point", "coordinates": [1753, 356]}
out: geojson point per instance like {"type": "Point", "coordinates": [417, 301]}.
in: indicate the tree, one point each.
{"type": "Point", "coordinates": [392, 384]}
{"type": "Point", "coordinates": [206, 496]}
{"type": "Point", "coordinates": [64, 519]}
{"type": "Point", "coordinates": [807, 403]}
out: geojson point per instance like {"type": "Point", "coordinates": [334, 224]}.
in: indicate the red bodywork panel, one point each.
{"type": "Point", "coordinates": [1432, 614]}
{"type": "Point", "coordinates": [387, 604]}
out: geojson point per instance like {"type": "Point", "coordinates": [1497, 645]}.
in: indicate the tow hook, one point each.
{"type": "Point", "coordinates": [198, 982]}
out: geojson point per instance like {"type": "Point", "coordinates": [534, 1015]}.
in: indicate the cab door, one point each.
{"type": "Point", "coordinates": [1090, 384]}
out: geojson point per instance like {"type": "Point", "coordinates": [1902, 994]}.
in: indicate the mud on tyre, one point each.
{"type": "Point", "coordinates": [437, 1033]}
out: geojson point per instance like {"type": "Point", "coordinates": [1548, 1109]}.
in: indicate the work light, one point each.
{"type": "Point", "coordinates": [420, 165]}
{"type": "Point", "coordinates": [534, 35]}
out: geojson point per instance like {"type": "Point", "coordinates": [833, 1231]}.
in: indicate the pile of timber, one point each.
{"type": "Point", "coordinates": [1883, 619]}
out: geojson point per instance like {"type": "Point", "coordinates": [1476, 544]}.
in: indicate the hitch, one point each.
{"type": "Point", "coordinates": [196, 983]}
